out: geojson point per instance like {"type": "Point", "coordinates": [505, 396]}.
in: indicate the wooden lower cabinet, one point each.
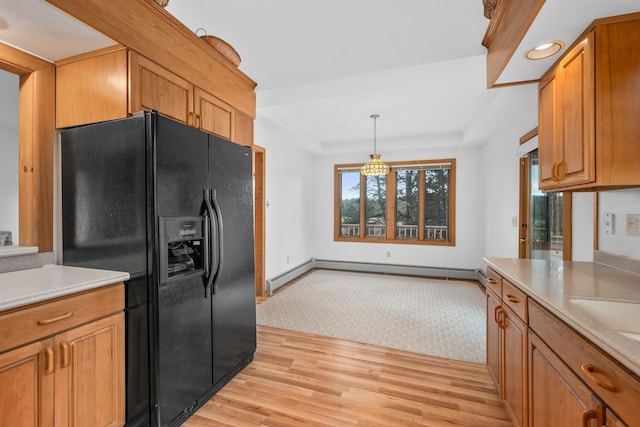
{"type": "Point", "coordinates": [547, 374]}
{"type": "Point", "coordinates": [515, 366]}
{"type": "Point", "coordinates": [89, 381]}
{"type": "Point", "coordinates": [557, 397]}
{"type": "Point", "coordinates": [73, 377]}
{"type": "Point", "coordinates": [27, 386]}
{"type": "Point", "coordinates": [494, 339]}
{"type": "Point", "coordinates": [611, 420]}
{"type": "Point", "coordinates": [507, 356]}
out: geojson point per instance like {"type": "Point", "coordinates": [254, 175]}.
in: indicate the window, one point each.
{"type": "Point", "coordinates": [414, 204]}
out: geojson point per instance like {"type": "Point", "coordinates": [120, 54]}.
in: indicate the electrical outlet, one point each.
{"type": "Point", "coordinates": [633, 224]}
{"type": "Point", "coordinates": [514, 221]}
{"type": "Point", "coordinates": [388, 254]}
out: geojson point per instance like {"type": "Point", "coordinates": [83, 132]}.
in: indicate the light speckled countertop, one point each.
{"type": "Point", "coordinates": [18, 288]}
{"type": "Point", "coordinates": [553, 284]}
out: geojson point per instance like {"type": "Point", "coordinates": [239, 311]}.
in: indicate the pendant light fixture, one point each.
{"type": "Point", "coordinates": [374, 166]}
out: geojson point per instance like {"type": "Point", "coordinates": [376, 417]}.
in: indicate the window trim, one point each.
{"type": "Point", "coordinates": [391, 204]}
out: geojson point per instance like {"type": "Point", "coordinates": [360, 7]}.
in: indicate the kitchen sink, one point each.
{"type": "Point", "coordinates": [623, 317]}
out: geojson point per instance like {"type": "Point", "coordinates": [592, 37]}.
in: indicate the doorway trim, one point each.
{"type": "Point", "coordinates": [259, 173]}
{"type": "Point", "coordinates": [36, 101]}
{"type": "Point", "coordinates": [524, 250]}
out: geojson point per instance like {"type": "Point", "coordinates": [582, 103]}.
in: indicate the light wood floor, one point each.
{"type": "Point", "coordinates": [300, 379]}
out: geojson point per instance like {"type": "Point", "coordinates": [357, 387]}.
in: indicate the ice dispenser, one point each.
{"type": "Point", "coordinates": [182, 246]}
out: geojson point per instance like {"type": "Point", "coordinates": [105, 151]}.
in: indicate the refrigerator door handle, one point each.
{"type": "Point", "coordinates": [207, 243]}
{"type": "Point", "coordinates": [219, 241]}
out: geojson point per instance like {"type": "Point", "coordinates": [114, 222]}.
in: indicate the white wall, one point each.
{"type": "Point", "coordinates": [469, 215]}
{"type": "Point", "coordinates": [300, 188]}
{"type": "Point", "coordinates": [582, 224]}
{"type": "Point", "coordinates": [288, 216]}
{"type": "Point", "coordinates": [620, 203]}
{"type": "Point", "coordinates": [513, 114]}
{"type": "Point", "coordinates": [9, 153]}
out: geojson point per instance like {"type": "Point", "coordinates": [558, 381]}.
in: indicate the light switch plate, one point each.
{"type": "Point", "coordinates": [633, 224]}
{"type": "Point", "coordinates": [608, 223]}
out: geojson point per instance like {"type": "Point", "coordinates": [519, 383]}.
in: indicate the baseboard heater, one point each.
{"type": "Point", "coordinates": [284, 278]}
{"type": "Point", "coordinates": [407, 270]}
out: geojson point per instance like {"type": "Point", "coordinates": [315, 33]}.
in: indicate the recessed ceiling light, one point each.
{"type": "Point", "coordinates": [544, 50]}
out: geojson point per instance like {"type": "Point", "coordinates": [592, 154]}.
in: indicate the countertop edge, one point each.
{"type": "Point", "coordinates": [66, 281]}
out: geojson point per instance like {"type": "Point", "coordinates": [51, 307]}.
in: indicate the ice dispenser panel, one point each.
{"type": "Point", "coordinates": [181, 247]}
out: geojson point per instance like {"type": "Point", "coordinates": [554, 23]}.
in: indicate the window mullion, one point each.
{"type": "Point", "coordinates": [391, 206]}
{"type": "Point", "coordinates": [363, 205]}
{"type": "Point", "coordinates": [421, 200]}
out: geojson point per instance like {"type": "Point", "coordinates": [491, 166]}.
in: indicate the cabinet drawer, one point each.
{"type": "Point", "coordinates": [45, 319]}
{"type": "Point", "coordinates": [515, 299]}
{"type": "Point", "coordinates": [494, 281]}
{"type": "Point", "coordinates": [619, 389]}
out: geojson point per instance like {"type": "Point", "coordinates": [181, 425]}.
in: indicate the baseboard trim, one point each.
{"type": "Point", "coordinates": [366, 267]}
{"type": "Point", "coordinates": [284, 278]}
{"type": "Point", "coordinates": [407, 270]}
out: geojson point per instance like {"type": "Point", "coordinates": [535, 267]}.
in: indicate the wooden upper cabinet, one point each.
{"type": "Point", "coordinates": [588, 108]}
{"type": "Point", "coordinates": [91, 88]}
{"type": "Point", "coordinates": [213, 115]}
{"type": "Point", "coordinates": [566, 117]}
{"type": "Point", "coordinates": [153, 87]}
{"type": "Point", "coordinates": [116, 82]}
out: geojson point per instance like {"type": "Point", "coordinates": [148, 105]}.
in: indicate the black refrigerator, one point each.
{"type": "Point", "coordinates": [173, 207]}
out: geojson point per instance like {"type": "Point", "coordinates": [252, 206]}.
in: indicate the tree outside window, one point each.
{"type": "Point", "coordinates": [415, 203]}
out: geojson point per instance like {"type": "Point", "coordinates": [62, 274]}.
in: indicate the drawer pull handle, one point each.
{"type": "Point", "coordinates": [591, 370]}
{"type": "Point", "coordinates": [494, 281]}
{"type": "Point", "coordinates": [587, 415]}
{"type": "Point", "coordinates": [64, 354]}
{"type": "Point", "coordinates": [513, 299]}
{"type": "Point", "coordinates": [48, 361]}
{"type": "Point", "coordinates": [55, 319]}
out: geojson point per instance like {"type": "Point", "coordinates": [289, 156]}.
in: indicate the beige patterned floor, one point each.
{"type": "Point", "coordinates": [444, 318]}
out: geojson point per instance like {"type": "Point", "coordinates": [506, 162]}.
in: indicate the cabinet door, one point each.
{"type": "Point", "coordinates": [92, 89]}
{"type": "Point", "coordinates": [514, 382]}
{"type": "Point", "coordinates": [547, 130]}
{"type": "Point", "coordinates": [89, 382]}
{"type": "Point", "coordinates": [213, 115]}
{"type": "Point", "coordinates": [612, 420]}
{"type": "Point", "coordinates": [566, 121]}
{"type": "Point", "coordinates": [153, 87]}
{"type": "Point", "coordinates": [556, 396]}
{"type": "Point", "coordinates": [575, 163]}
{"type": "Point", "coordinates": [494, 339]}
{"type": "Point", "coordinates": [243, 129]}
{"type": "Point", "coordinates": [26, 381]}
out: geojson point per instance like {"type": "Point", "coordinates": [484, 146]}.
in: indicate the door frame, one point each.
{"type": "Point", "coordinates": [524, 249]}
{"type": "Point", "coordinates": [36, 101]}
{"type": "Point", "coordinates": [259, 173]}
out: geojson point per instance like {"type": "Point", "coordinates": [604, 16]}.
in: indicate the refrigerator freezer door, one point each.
{"type": "Point", "coordinates": [184, 348]}
{"type": "Point", "coordinates": [105, 225]}
{"type": "Point", "coordinates": [234, 306]}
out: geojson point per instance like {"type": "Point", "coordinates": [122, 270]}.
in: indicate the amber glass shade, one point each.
{"type": "Point", "coordinates": [374, 166]}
